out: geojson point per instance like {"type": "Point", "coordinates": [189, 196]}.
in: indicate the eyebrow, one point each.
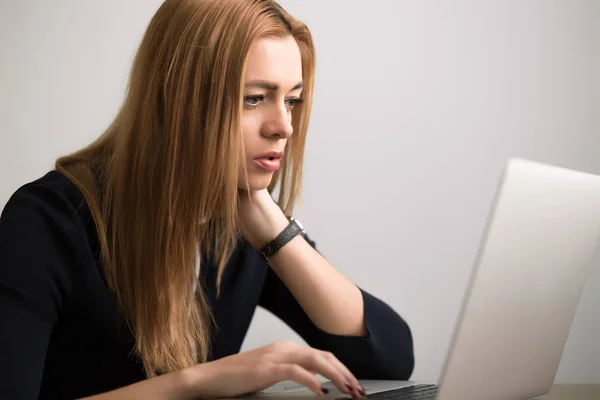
{"type": "Point", "coordinates": [271, 86]}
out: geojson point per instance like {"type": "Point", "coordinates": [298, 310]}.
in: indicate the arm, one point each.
{"type": "Point", "coordinates": [331, 301]}
{"type": "Point", "coordinates": [41, 237]}
{"type": "Point", "coordinates": [324, 307]}
{"type": "Point", "coordinates": [386, 352]}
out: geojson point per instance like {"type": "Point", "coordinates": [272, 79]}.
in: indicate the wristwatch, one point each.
{"type": "Point", "coordinates": [293, 229]}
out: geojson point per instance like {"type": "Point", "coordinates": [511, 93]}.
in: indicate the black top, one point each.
{"type": "Point", "coordinates": [63, 336]}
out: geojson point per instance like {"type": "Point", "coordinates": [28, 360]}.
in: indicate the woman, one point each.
{"type": "Point", "coordinates": [134, 268]}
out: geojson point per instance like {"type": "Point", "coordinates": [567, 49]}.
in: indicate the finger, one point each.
{"type": "Point", "coordinates": [350, 378]}
{"type": "Point", "coordinates": [339, 365]}
{"type": "Point", "coordinates": [315, 360]}
{"type": "Point", "coordinates": [298, 374]}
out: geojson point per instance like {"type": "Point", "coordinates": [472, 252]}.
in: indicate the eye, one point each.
{"type": "Point", "coordinates": [291, 103]}
{"type": "Point", "coordinates": [254, 101]}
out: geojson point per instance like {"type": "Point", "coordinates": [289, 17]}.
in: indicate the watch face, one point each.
{"type": "Point", "coordinates": [299, 225]}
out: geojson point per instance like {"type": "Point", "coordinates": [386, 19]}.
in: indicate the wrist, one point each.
{"type": "Point", "coordinates": [294, 228]}
{"type": "Point", "coordinates": [192, 381]}
{"type": "Point", "coordinates": [280, 222]}
{"type": "Point", "coordinates": [275, 222]}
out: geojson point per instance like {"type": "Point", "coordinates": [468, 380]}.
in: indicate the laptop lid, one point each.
{"type": "Point", "coordinates": [540, 239]}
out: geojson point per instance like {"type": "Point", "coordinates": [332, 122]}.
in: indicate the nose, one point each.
{"type": "Point", "coordinates": [279, 123]}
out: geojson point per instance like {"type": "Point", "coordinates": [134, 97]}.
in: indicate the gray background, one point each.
{"type": "Point", "coordinates": [418, 105]}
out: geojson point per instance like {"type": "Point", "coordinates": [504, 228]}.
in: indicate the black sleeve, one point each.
{"type": "Point", "coordinates": [385, 353]}
{"type": "Point", "coordinates": [38, 253]}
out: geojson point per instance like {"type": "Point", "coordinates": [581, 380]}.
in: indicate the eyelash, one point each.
{"type": "Point", "coordinates": [261, 98]}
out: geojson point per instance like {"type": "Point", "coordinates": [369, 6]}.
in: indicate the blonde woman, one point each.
{"type": "Point", "coordinates": [133, 269]}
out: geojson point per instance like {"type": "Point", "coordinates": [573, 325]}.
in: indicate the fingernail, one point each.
{"type": "Point", "coordinates": [361, 391]}
{"type": "Point", "coordinates": [349, 387]}
{"type": "Point", "coordinates": [324, 390]}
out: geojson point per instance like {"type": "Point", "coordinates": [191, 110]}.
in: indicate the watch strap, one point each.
{"type": "Point", "coordinates": [293, 229]}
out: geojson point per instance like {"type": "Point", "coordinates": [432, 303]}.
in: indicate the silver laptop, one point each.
{"type": "Point", "coordinates": [539, 242]}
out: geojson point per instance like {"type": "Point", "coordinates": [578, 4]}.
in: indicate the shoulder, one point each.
{"type": "Point", "coordinates": [43, 226]}
{"type": "Point", "coordinates": [53, 192]}
{"type": "Point", "coordinates": [51, 202]}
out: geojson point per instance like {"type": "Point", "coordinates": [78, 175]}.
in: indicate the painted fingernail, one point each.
{"type": "Point", "coordinates": [361, 391]}
{"type": "Point", "coordinates": [324, 390]}
{"type": "Point", "coordinates": [349, 387]}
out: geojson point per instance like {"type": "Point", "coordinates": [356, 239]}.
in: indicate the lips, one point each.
{"type": "Point", "coordinates": [271, 155]}
{"type": "Point", "coordinates": [270, 161]}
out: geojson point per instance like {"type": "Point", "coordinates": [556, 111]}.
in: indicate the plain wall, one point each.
{"type": "Point", "coordinates": [417, 107]}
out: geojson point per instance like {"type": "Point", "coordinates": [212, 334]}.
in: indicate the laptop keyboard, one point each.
{"type": "Point", "coordinates": [416, 392]}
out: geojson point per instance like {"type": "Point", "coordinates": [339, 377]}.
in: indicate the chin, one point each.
{"type": "Point", "coordinates": [256, 182]}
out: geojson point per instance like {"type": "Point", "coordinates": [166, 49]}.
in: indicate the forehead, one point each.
{"type": "Point", "coordinates": [277, 60]}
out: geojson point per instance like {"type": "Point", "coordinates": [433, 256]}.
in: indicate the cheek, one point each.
{"type": "Point", "coordinates": [251, 134]}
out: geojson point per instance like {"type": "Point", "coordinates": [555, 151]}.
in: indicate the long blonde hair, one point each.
{"type": "Point", "coordinates": [171, 158]}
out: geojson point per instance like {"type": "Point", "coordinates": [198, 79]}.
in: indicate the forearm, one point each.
{"type": "Point", "coordinates": [331, 301]}
{"type": "Point", "coordinates": [177, 385]}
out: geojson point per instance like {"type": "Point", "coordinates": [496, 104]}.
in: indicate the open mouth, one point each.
{"type": "Point", "coordinates": [268, 163]}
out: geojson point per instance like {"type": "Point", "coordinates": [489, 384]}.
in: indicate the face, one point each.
{"type": "Point", "coordinates": [273, 84]}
